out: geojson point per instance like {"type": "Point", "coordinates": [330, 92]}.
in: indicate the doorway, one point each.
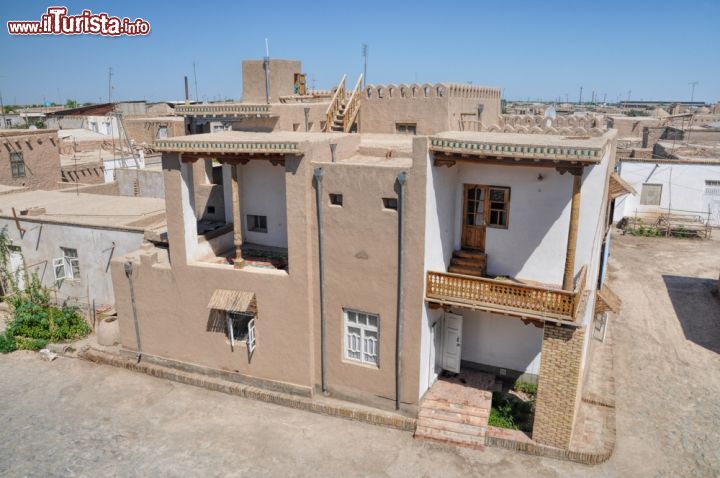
{"type": "Point", "coordinates": [474, 217]}
{"type": "Point", "coordinates": [452, 342]}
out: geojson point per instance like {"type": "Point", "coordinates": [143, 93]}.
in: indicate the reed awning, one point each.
{"type": "Point", "coordinates": [607, 300]}
{"type": "Point", "coordinates": [232, 301]}
{"type": "Point", "coordinates": [619, 187]}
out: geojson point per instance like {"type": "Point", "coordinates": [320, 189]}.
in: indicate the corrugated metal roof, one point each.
{"type": "Point", "coordinates": [232, 300]}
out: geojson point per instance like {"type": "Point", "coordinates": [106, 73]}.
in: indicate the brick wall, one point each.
{"type": "Point", "coordinates": [39, 150]}
{"type": "Point", "coordinates": [558, 385]}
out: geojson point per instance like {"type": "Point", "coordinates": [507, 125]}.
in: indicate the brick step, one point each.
{"type": "Point", "coordinates": [450, 437]}
{"type": "Point", "coordinates": [461, 428]}
{"type": "Point", "coordinates": [457, 408]}
{"type": "Point", "coordinates": [455, 417]}
{"type": "Point", "coordinates": [469, 253]}
{"type": "Point", "coordinates": [466, 270]}
{"type": "Point", "coordinates": [468, 261]}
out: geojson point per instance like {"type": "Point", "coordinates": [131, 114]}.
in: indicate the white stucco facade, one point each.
{"type": "Point", "coordinates": [42, 242]}
{"type": "Point", "coordinates": [685, 188]}
{"type": "Point", "coordinates": [262, 191]}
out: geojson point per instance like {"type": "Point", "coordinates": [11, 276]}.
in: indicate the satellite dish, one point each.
{"type": "Point", "coordinates": [550, 112]}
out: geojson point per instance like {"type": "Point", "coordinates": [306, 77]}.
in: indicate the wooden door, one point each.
{"type": "Point", "coordinates": [452, 342]}
{"type": "Point", "coordinates": [474, 217]}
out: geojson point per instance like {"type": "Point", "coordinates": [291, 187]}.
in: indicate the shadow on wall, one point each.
{"type": "Point", "coordinates": [697, 309]}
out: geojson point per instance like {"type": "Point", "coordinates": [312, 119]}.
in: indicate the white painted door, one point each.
{"type": "Point", "coordinates": [17, 269]}
{"type": "Point", "coordinates": [435, 352]}
{"type": "Point", "coordinates": [452, 342]}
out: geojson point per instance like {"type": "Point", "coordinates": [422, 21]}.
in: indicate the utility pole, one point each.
{"type": "Point", "coordinates": [580, 101]}
{"type": "Point", "coordinates": [629, 93]}
{"type": "Point", "coordinates": [195, 76]}
{"type": "Point", "coordinates": [693, 84]}
{"type": "Point", "coordinates": [365, 57]}
{"type": "Point", "coordinates": [110, 75]}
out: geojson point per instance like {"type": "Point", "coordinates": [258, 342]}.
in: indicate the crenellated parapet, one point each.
{"type": "Point", "coordinates": [428, 90]}
{"type": "Point", "coordinates": [568, 125]}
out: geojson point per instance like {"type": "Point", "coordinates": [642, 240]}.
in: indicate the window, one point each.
{"type": "Point", "coordinates": [499, 199]}
{"type": "Point", "coordinates": [211, 209]}
{"type": "Point", "coordinates": [650, 194]}
{"type": "Point", "coordinates": [162, 132]}
{"type": "Point", "coordinates": [8, 122]}
{"type": "Point", "coordinates": [67, 266]}
{"type": "Point", "coordinates": [336, 199]}
{"type": "Point", "coordinates": [257, 223]}
{"type": "Point", "coordinates": [241, 328]}
{"type": "Point", "coordinates": [361, 336]}
{"type": "Point", "coordinates": [712, 187]}
{"type": "Point", "coordinates": [390, 203]}
{"type": "Point", "coordinates": [17, 165]}
{"type": "Point", "coordinates": [406, 128]}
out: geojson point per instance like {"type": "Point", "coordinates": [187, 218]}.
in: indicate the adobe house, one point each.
{"type": "Point", "coordinates": [404, 271]}
{"type": "Point", "coordinates": [30, 158]}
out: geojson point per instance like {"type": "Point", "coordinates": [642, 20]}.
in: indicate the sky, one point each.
{"type": "Point", "coordinates": [641, 50]}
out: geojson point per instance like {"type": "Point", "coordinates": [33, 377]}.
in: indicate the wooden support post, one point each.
{"type": "Point", "coordinates": [237, 222]}
{"type": "Point", "coordinates": [572, 232]}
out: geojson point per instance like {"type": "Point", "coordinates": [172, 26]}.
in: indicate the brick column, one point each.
{"type": "Point", "coordinates": [558, 385]}
{"type": "Point", "coordinates": [237, 217]}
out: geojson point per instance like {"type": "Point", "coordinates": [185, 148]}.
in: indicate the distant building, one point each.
{"type": "Point", "coordinates": [30, 158]}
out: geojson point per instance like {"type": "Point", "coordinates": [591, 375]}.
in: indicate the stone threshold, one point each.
{"type": "Point", "coordinates": [322, 405]}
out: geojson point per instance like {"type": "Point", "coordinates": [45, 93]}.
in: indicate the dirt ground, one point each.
{"type": "Point", "coordinates": [72, 418]}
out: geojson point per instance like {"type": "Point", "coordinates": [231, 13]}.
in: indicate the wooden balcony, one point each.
{"type": "Point", "coordinates": [507, 297]}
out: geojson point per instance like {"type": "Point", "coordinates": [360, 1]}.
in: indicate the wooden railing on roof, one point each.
{"type": "Point", "coordinates": [353, 105]}
{"type": "Point", "coordinates": [502, 296]}
{"type": "Point", "coordinates": [335, 104]}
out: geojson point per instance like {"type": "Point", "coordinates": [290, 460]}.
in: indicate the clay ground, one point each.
{"type": "Point", "coordinates": [72, 418]}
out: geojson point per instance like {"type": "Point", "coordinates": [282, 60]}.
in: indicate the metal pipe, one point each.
{"type": "Point", "coordinates": [402, 180]}
{"type": "Point", "coordinates": [307, 112]}
{"type": "Point", "coordinates": [323, 345]}
{"type": "Point", "coordinates": [128, 273]}
{"type": "Point", "coordinates": [187, 94]}
{"type": "Point", "coordinates": [266, 67]}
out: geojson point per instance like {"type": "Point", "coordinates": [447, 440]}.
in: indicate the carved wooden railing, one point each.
{"type": "Point", "coordinates": [353, 106]}
{"type": "Point", "coordinates": [501, 295]}
{"type": "Point", "coordinates": [335, 104]}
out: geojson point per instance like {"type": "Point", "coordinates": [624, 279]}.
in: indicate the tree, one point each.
{"type": "Point", "coordinates": [71, 104]}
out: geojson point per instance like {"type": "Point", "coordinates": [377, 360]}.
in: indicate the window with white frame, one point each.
{"type": "Point", "coordinates": [67, 266]}
{"type": "Point", "coordinates": [162, 131]}
{"type": "Point", "coordinates": [361, 336]}
{"type": "Point", "coordinates": [650, 194]}
{"type": "Point", "coordinates": [241, 328]}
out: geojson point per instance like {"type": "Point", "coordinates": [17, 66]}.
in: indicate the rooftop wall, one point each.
{"type": "Point", "coordinates": [431, 107]}
{"type": "Point", "coordinates": [282, 79]}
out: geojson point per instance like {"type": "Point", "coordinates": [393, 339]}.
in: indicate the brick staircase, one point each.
{"type": "Point", "coordinates": [468, 262]}
{"type": "Point", "coordinates": [455, 413]}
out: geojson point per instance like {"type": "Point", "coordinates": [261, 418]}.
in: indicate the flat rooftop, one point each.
{"type": "Point", "coordinates": [91, 210]}
{"type": "Point", "coordinates": [81, 158]}
{"type": "Point", "coordinates": [82, 134]}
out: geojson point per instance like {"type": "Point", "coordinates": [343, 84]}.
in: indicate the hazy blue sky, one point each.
{"type": "Point", "coordinates": [535, 49]}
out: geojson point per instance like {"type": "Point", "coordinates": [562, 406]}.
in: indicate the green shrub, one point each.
{"type": "Point", "coordinates": [35, 321]}
{"type": "Point", "coordinates": [510, 412]}
{"type": "Point", "coordinates": [525, 387]}
{"type": "Point", "coordinates": [7, 343]}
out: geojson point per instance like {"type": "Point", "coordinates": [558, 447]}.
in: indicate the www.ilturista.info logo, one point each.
{"type": "Point", "coordinates": [57, 22]}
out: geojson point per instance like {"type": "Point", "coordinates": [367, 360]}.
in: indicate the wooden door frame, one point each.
{"type": "Point", "coordinates": [485, 214]}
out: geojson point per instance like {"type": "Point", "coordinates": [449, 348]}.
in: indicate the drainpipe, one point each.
{"type": "Point", "coordinates": [333, 148]}
{"type": "Point", "coordinates": [323, 346]}
{"type": "Point", "coordinates": [266, 67]}
{"type": "Point", "coordinates": [402, 180]}
{"type": "Point", "coordinates": [128, 273]}
{"type": "Point", "coordinates": [307, 113]}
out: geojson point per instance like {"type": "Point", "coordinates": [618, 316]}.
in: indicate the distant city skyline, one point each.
{"type": "Point", "coordinates": [532, 50]}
